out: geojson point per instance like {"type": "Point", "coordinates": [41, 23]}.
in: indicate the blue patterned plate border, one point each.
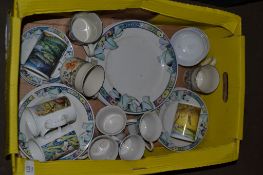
{"type": "Point", "coordinates": [52, 91]}
{"type": "Point", "coordinates": [128, 103]}
{"type": "Point", "coordinates": [35, 31]}
{"type": "Point", "coordinates": [185, 96]}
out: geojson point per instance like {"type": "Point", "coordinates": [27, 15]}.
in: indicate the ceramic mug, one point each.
{"type": "Point", "coordinates": [45, 56]}
{"type": "Point", "coordinates": [46, 116]}
{"type": "Point", "coordinates": [103, 148]}
{"type": "Point", "coordinates": [149, 127]}
{"type": "Point", "coordinates": [85, 77]}
{"type": "Point", "coordinates": [111, 120]}
{"type": "Point", "coordinates": [54, 145]}
{"type": "Point", "coordinates": [85, 28]}
{"type": "Point", "coordinates": [186, 122]}
{"type": "Point", "coordinates": [132, 147]}
{"type": "Point", "coordinates": [204, 79]}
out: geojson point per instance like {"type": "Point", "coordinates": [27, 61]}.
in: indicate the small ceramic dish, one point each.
{"type": "Point", "coordinates": [191, 45]}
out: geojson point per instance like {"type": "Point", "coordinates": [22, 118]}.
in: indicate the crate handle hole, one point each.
{"type": "Point", "coordinates": [225, 87]}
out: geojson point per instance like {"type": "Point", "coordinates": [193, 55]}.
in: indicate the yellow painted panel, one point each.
{"type": "Point", "coordinates": [190, 159]}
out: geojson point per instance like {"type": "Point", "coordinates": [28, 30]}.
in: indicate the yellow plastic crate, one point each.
{"type": "Point", "coordinates": [225, 131]}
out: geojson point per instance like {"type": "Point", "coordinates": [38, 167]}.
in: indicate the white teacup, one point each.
{"type": "Point", "coordinates": [85, 77]}
{"type": "Point", "coordinates": [203, 79]}
{"type": "Point", "coordinates": [49, 115]}
{"type": "Point", "coordinates": [111, 120]}
{"type": "Point", "coordinates": [132, 147]}
{"type": "Point", "coordinates": [85, 28]}
{"type": "Point", "coordinates": [54, 144]}
{"type": "Point", "coordinates": [94, 81]}
{"type": "Point", "coordinates": [149, 127]}
{"type": "Point", "coordinates": [103, 148]}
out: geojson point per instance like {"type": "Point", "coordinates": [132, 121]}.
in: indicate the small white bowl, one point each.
{"type": "Point", "coordinates": [191, 45]}
{"type": "Point", "coordinates": [103, 148]}
{"type": "Point", "coordinates": [111, 120]}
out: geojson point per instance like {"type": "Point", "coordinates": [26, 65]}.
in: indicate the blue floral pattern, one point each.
{"type": "Point", "coordinates": [168, 59]}
{"type": "Point", "coordinates": [61, 146]}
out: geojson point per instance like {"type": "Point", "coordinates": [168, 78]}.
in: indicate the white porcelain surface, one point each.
{"type": "Point", "coordinates": [83, 126]}
{"type": "Point", "coordinates": [191, 45]}
{"type": "Point", "coordinates": [93, 81]}
{"type": "Point", "coordinates": [133, 126]}
{"type": "Point", "coordinates": [130, 68]}
{"type": "Point", "coordinates": [111, 120]}
{"type": "Point", "coordinates": [86, 27]}
{"type": "Point", "coordinates": [42, 124]}
{"type": "Point", "coordinates": [103, 148]}
{"type": "Point", "coordinates": [207, 79]}
{"type": "Point", "coordinates": [36, 151]}
{"type": "Point", "coordinates": [80, 77]}
{"type": "Point", "coordinates": [132, 148]}
{"type": "Point", "coordinates": [139, 64]}
{"type": "Point", "coordinates": [150, 126]}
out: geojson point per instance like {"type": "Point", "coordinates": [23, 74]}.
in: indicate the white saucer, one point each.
{"type": "Point", "coordinates": [140, 66]}
{"type": "Point", "coordinates": [191, 45]}
{"type": "Point", "coordinates": [167, 113]}
{"type": "Point", "coordinates": [83, 126]}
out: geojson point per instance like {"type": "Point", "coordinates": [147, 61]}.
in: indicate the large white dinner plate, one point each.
{"type": "Point", "coordinates": [140, 66]}
{"type": "Point", "coordinates": [167, 114]}
{"type": "Point", "coordinates": [84, 125]}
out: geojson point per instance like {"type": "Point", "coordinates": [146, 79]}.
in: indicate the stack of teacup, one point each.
{"type": "Point", "coordinates": [85, 77]}
{"type": "Point", "coordinates": [111, 121]}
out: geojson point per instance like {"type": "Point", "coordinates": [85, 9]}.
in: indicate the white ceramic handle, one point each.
{"type": "Point", "coordinates": [83, 156]}
{"type": "Point", "coordinates": [50, 124]}
{"type": "Point", "coordinates": [131, 121]}
{"type": "Point", "coordinates": [118, 140]}
{"type": "Point", "coordinates": [149, 145]}
{"type": "Point", "coordinates": [132, 125]}
{"type": "Point", "coordinates": [120, 136]}
{"type": "Point", "coordinates": [90, 49]}
{"type": "Point", "coordinates": [209, 61]}
{"type": "Point", "coordinates": [213, 62]}
{"type": "Point", "coordinates": [95, 96]}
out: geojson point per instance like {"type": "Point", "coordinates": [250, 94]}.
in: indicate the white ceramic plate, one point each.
{"type": "Point", "coordinates": [29, 39]}
{"type": "Point", "coordinates": [83, 126]}
{"type": "Point", "coordinates": [191, 45]}
{"type": "Point", "coordinates": [167, 113]}
{"type": "Point", "coordinates": [140, 66]}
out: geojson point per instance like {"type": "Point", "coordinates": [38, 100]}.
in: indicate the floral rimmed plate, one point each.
{"type": "Point", "coordinates": [140, 66]}
{"type": "Point", "coordinates": [84, 125]}
{"type": "Point", "coordinates": [28, 40]}
{"type": "Point", "coordinates": [167, 114]}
